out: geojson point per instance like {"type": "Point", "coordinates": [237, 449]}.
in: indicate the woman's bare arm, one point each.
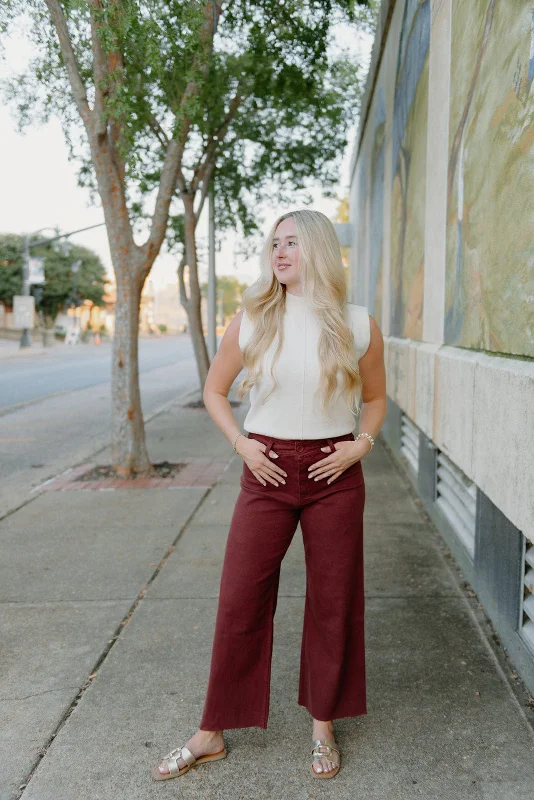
{"type": "Point", "coordinates": [373, 373]}
{"type": "Point", "coordinates": [225, 367]}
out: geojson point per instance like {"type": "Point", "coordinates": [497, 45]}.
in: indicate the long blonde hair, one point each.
{"type": "Point", "coordinates": [324, 286]}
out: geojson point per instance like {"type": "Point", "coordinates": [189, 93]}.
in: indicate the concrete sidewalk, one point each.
{"type": "Point", "coordinates": [108, 610]}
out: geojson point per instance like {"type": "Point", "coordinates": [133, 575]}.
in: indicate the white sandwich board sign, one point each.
{"type": "Point", "coordinates": [23, 311]}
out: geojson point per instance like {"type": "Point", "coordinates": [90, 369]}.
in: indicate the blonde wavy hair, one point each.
{"type": "Point", "coordinates": [324, 286]}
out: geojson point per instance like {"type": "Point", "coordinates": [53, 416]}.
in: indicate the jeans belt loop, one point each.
{"type": "Point", "coordinates": [269, 447]}
{"type": "Point", "coordinates": [331, 443]}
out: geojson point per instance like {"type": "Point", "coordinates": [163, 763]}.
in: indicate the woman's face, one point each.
{"type": "Point", "coordinates": [285, 253]}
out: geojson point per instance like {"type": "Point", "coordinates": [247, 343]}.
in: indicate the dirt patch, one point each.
{"type": "Point", "coordinates": [200, 404]}
{"type": "Point", "coordinates": [165, 469]}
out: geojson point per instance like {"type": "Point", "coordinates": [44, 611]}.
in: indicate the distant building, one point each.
{"type": "Point", "coordinates": [168, 309]}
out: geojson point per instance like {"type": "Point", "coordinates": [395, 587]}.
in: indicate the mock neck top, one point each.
{"type": "Point", "coordinates": [293, 411]}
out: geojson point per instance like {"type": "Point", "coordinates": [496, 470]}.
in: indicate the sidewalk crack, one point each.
{"type": "Point", "coordinates": [37, 694]}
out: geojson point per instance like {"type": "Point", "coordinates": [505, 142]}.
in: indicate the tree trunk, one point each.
{"type": "Point", "coordinates": [199, 342]}
{"type": "Point", "coordinates": [49, 332]}
{"type": "Point", "coordinates": [131, 266]}
{"type": "Point", "coordinates": [131, 263]}
{"type": "Point", "coordinates": [192, 304]}
{"type": "Point", "coordinates": [128, 446]}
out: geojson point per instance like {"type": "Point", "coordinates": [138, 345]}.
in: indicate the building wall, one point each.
{"type": "Point", "coordinates": [443, 256]}
{"type": "Point", "coordinates": [168, 309]}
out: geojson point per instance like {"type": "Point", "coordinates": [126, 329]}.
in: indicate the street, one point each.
{"type": "Point", "coordinates": [80, 367]}
{"type": "Point", "coordinates": [55, 408]}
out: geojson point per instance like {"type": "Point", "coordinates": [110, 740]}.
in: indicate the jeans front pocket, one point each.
{"type": "Point", "coordinates": [248, 478]}
{"type": "Point", "coordinates": [284, 462]}
{"type": "Point", "coordinates": [355, 473]}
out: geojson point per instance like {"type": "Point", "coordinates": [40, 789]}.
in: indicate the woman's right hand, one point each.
{"type": "Point", "coordinates": [254, 456]}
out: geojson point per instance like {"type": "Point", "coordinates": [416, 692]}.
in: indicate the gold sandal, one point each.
{"type": "Point", "coordinates": [190, 761]}
{"type": "Point", "coordinates": [321, 749]}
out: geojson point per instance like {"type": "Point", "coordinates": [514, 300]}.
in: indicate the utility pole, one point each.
{"type": "Point", "coordinates": [25, 339]}
{"type": "Point", "coordinates": [221, 315]}
{"type": "Point", "coordinates": [75, 268]}
{"type": "Point", "coordinates": [212, 278]}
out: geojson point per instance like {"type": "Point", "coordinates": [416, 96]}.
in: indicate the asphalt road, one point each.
{"type": "Point", "coordinates": [80, 367]}
{"type": "Point", "coordinates": [55, 408]}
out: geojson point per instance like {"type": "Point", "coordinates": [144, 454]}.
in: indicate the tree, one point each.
{"type": "Point", "coordinates": [170, 102]}
{"type": "Point", "coordinates": [231, 290]}
{"type": "Point", "coordinates": [59, 285]}
{"type": "Point", "coordinates": [10, 268]}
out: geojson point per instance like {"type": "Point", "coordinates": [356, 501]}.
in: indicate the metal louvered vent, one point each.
{"type": "Point", "coordinates": [410, 442]}
{"type": "Point", "coordinates": [527, 603]}
{"type": "Point", "coordinates": [456, 497]}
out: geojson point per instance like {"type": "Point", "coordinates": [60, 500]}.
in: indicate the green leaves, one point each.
{"type": "Point", "coordinates": [264, 102]}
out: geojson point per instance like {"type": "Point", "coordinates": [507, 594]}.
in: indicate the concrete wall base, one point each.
{"type": "Point", "coordinates": [495, 572]}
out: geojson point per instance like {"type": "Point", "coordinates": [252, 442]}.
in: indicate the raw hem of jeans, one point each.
{"type": "Point", "coordinates": [335, 716]}
{"type": "Point", "coordinates": [221, 727]}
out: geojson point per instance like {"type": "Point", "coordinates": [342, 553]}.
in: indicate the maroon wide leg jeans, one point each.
{"type": "Point", "coordinates": [332, 666]}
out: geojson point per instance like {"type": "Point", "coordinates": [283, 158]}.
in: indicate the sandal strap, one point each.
{"type": "Point", "coordinates": [188, 756]}
{"type": "Point", "coordinates": [322, 748]}
{"type": "Point", "coordinates": [174, 755]}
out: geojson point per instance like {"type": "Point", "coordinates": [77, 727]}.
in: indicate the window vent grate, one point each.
{"type": "Point", "coordinates": [527, 602]}
{"type": "Point", "coordinates": [456, 497]}
{"type": "Point", "coordinates": [410, 442]}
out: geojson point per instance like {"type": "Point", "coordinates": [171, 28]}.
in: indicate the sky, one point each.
{"type": "Point", "coordinates": [39, 184]}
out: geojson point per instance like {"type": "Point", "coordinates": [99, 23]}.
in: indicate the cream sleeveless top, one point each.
{"type": "Point", "coordinates": [293, 411]}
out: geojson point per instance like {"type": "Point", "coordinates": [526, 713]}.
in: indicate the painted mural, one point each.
{"type": "Point", "coordinates": [362, 231]}
{"type": "Point", "coordinates": [490, 213]}
{"type": "Point", "coordinates": [376, 232]}
{"type": "Point", "coordinates": [370, 204]}
{"type": "Point", "coordinates": [409, 131]}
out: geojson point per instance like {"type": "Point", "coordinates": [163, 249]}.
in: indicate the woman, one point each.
{"type": "Point", "coordinates": [301, 463]}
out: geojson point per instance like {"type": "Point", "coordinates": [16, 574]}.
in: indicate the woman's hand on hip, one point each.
{"type": "Point", "coordinates": [346, 454]}
{"type": "Point", "coordinates": [253, 454]}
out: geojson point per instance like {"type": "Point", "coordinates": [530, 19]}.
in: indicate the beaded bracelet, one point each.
{"type": "Point", "coordinates": [367, 436]}
{"type": "Point", "coordinates": [236, 438]}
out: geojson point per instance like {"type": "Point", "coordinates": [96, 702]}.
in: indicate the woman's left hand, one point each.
{"type": "Point", "coordinates": [346, 454]}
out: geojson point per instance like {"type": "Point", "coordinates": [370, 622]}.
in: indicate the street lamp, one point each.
{"type": "Point", "coordinates": [61, 245]}
{"type": "Point", "coordinates": [25, 339]}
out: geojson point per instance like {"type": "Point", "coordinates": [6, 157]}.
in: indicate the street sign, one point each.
{"type": "Point", "coordinates": [37, 270]}
{"type": "Point", "coordinates": [23, 311]}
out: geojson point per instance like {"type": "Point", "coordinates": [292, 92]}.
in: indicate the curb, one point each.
{"type": "Point", "coordinates": [23, 353]}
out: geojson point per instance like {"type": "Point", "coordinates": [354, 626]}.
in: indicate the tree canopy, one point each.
{"type": "Point", "coordinates": [263, 104]}
{"type": "Point", "coordinates": [175, 98]}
